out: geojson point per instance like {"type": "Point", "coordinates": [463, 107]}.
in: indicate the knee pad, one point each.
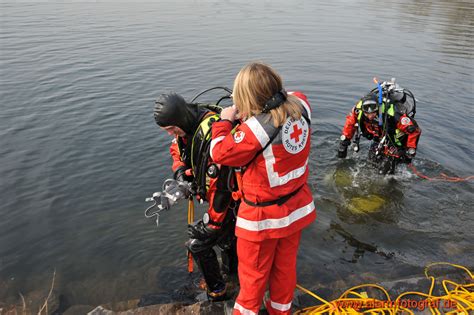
{"type": "Point", "coordinates": [196, 246]}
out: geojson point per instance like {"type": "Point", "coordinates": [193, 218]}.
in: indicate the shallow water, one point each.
{"type": "Point", "coordinates": [80, 151]}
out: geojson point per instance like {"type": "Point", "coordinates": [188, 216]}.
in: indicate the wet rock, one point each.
{"type": "Point", "coordinates": [122, 305]}
{"type": "Point", "coordinates": [153, 299]}
{"type": "Point", "coordinates": [63, 305]}
{"type": "Point", "coordinates": [224, 307]}
{"type": "Point", "coordinates": [35, 300]}
{"type": "Point", "coordinates": [452, 248]}
{"type": "Point", "coordinates": [78, 310]}
{"type": "Point", "coordinates": [99, 310]}
{"type": "Point", "coordinates": [204, 308]}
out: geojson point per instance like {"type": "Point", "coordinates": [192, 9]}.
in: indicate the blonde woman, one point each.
{"type": "Point", "coordinates": [272, 145]}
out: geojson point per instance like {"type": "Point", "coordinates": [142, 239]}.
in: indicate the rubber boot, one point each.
{"type": "Point", "coordinates": [209, 267]}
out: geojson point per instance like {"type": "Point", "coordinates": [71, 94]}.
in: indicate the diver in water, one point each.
{"type": "Point", "coordinates": [191, 125]}
{"type": "Point", "coordinates": [385, 116]}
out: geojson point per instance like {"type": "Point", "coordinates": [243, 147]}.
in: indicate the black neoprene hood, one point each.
{"type": "Point", "coordinates": [172, 110]}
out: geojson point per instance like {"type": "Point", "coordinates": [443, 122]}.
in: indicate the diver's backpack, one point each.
{"type": "Point", "coordinates": [403, 99]}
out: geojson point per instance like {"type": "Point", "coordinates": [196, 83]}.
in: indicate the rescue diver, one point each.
{"type": "Point", "coordinates": [190, 124]}
{"type": "Point", "coordinates": [387, 121]}
{"type": "Point", "coordinates": [272, 145]}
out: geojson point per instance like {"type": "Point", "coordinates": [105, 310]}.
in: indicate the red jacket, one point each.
{"type": "Point", "coordinates": [281, 170]}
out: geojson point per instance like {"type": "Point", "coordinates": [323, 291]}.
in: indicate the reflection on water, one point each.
{"type": "Point", "coordinates": [452, 20]}
{"type": "Point", "coordinates": [80, 151]}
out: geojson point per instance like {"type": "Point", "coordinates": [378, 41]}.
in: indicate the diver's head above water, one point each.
{"type": "Point", "coordinates": [370, 106]}
{"type": "Point", "coordinates": [175, 115]}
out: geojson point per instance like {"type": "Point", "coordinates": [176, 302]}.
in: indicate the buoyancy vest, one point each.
{"type": "Point", "coordinates": [388, 125]}
{"type": "Point", "coordinates": [200, 146]}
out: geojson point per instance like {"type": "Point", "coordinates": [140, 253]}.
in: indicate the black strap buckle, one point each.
{"type": "Point", "coordinates": [276, 100]}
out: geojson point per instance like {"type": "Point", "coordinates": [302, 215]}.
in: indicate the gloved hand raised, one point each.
{"type": "Point", "coordinates": [200, 231]}
{"type": "Point", "coordinates": [342, 150]}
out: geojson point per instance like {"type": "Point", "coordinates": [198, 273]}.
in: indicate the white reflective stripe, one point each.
{"type": "Point", "coordinates": [243, 310]}
{"type": "Point", "coordinates": [273, 178]}
{"type": "Point", "coordinates": [258, 131]}
{"type": "Point", "coordinates": [214, 142]}
{"type": "Point", "coordinates": [306, 106]}
{"type": "Point", "coordinates": [280, 307]}
{"type": "Point", "coordinates": [275, 223]}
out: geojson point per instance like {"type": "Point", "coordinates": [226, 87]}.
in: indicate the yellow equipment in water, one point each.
{"type": "Point", "coordinates": [361, 195]}
{"type": "Point", "coordinates": [366, 204]}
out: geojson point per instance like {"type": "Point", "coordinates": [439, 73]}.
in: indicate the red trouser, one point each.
{"type": "Point", "coordinates": [271, 261]}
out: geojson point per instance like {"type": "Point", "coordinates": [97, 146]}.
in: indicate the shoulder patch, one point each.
{"type": "Point", "coordinates": [295, 134]}
{"type": "Point", "coordinates": [405, 121]}
{"type": "Point", "coordinates": [239, 136]}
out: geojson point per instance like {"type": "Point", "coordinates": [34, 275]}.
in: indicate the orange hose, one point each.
{"type": "Point", "coordinates": [237, 195]}
{"type": "Point", "coordinates": [442, 177]}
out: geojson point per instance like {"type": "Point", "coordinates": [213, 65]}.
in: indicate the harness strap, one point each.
{"type": "Point", "coordinates": [278, 201]}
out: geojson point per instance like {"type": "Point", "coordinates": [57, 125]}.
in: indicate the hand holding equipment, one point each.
{"type": "Point", "coordinates": [172, 192]}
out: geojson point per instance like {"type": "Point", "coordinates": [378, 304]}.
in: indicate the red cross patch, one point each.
{"type": "Point", "coordinates": [295, 134]}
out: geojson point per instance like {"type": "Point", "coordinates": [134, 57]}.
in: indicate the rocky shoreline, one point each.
{"type": "Point", "coordinates": [195, 302]}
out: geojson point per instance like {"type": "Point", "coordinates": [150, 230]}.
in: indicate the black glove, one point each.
{"type": "Point", "coordinates": [180, 174]}
{"type": "Point", "coordinates": [200, 231]}
{"type": "Point", "coordinates": [409, 154]}
{"type": "Point", "coordinates": [342, 150]}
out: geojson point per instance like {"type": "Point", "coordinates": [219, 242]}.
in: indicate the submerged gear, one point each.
{"type": "Point", "coordinates": [172, 110]}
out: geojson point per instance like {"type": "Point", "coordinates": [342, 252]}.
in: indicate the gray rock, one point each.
{"type": "Point", "coordinates": [78, 310]}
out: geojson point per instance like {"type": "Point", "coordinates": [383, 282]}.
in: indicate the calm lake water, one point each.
{"type": "Point", "coordinates": [79, 149]}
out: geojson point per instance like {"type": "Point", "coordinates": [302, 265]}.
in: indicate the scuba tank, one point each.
{"type": "Point", "coordinates": [389, 92]}
{"type": "Point", "coordinates": [201, 141]}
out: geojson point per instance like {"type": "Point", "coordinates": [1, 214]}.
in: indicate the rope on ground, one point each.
{"type": "Point", "coordinates": [441, 177]}
{"type": "Point", "coordinates": [458, 299]}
